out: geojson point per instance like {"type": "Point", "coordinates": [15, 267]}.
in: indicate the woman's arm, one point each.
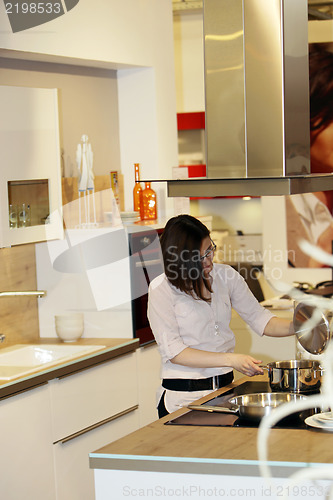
{"type": "Point", "coordinates": [279, 327]}
{"type": "Point", "coordinates": [205, 359]}
{"type": "Point", "coordinates": [276, 327]}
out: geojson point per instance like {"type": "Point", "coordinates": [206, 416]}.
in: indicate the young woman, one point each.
{"type": "Point", "coordinates": [189, 310]}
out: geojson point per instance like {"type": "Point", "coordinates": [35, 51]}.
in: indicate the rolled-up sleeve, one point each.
{"type": "Point", "coordinates": [162, 319]}
{"type": "Point", "coordinates": [245, 303]}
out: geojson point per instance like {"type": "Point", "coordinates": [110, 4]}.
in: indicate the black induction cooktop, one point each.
{"type": "Point", "coordinates": [218, 419]}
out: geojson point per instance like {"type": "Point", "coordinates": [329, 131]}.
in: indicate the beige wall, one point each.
{"type": "Point", "coordinates": [88, 104]}
{"type": "Point", "coordinates": [189, 61]}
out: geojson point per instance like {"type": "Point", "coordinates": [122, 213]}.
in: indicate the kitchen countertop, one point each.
{"type": "Point", "coordinates": [202, 450]}
{"type": "Point", "coordinates": [110, 349]}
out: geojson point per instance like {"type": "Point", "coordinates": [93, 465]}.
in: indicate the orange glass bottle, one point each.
{"type": "Point", "coordinates": [149, 203]}
{"type": "Point", "coordinates": [137, 190]}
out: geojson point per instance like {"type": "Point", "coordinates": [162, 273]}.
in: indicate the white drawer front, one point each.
{"type": "Point", "coordinates": [88, 397]}
{"type": "Point", "coordinates": [26, 459]}
{"type": "Point", "coordinates": [74, 478]}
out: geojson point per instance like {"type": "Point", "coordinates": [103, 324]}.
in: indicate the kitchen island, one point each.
{"type": "Point", "coordinates": [198, 461]}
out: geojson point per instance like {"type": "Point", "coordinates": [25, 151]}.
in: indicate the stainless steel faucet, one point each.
{"type": "Point", "coordinates": [37, 293]}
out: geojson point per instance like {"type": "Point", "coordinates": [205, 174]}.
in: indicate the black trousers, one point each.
{"type": "Point", "coordinates": [162, 411]}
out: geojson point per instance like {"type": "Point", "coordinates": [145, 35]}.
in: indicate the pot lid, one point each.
{"type": "Point", "coordinates": [312, 337]}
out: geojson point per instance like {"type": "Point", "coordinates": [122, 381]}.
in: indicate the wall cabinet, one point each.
{"type": "Point", "coordinates": [30, 188]}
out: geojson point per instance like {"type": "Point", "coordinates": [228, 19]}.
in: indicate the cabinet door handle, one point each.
{"type": "Point", "coordinates": [98, 424]}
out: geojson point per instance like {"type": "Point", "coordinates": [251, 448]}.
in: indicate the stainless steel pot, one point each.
{"type": "Point", "coordinates": [296, 375]}
{"type": "Point", "coordinates": [252, 406]}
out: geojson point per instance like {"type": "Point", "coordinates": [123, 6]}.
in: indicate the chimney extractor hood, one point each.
{"type": "Point", "coordinates": [257, 101]}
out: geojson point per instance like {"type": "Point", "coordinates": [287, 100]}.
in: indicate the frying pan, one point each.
{"type": "Point", "coordinates": [252, 406]}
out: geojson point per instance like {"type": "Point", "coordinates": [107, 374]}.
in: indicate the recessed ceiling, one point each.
{"type": "Point", "coordinates": [317, 9]}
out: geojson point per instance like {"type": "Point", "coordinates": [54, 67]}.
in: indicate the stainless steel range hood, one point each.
{"type": "Point", "coordinates": [257, 101]}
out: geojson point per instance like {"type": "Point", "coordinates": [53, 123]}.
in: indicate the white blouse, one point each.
{"type": "Point", "coordinates": [179, 321]}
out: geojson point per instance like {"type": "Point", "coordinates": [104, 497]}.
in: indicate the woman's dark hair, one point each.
{"type": "Point", "coordinates": [321, 85]}
{"type": "Point", "coordinates": [180, 242]}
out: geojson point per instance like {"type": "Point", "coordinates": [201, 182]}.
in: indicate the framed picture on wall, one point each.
{"type": "Point", "coordinates": [309, 215]}
{"type": "Point", "coordinates": [282, 257]}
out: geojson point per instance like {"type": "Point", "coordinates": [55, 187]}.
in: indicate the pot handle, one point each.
{"type": "Point", "coordinates": [264, 367]}
{"type": "Point", "coordinates": [222, 409]}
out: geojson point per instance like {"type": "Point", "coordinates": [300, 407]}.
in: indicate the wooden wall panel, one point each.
{"type": "Point", "coordinates": [19, 315]}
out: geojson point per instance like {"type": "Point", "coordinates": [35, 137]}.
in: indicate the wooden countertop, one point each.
{"type": "Point", "coordinates": [110, 349]}
{"type": "Point", "coordinates": [162, 447]}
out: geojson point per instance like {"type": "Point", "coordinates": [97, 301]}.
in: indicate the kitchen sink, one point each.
{"type": "Point", "coordinates": [21, 359]}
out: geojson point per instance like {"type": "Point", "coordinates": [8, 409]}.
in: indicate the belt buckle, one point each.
{"type": "Point", "coordinates": [215, 382]}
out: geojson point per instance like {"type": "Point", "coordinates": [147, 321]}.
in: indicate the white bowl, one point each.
{"type": "Point", "coordinates": [69, 316]}
{"type": "Point", "coordinates": [69, 333]}
{"type": "Point", "coordinates": [69, 322]}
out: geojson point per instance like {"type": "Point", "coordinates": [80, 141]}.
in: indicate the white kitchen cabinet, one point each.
{"type": "Point", "coordinates": [75, 480]}
{"type": "Point", "coordinates": [30, 172]}
{"type": "Point", "coordinates": [89, 409]}
{"type": "Point", "coordinates": [48, 432]}
{"type": "Point", "coordinates": [26, 458]}
{"type": "Point", "coordinates": [90, 396]}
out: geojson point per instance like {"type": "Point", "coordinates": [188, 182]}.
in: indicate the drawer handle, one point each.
{"type": "Point", "coordinates": [98, 424]}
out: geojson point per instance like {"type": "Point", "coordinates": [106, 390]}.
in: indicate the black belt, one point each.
{"type": "Point", "coordinates": [200, 384]}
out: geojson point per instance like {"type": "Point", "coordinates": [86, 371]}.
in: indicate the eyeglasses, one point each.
{"type": "Point", "coordinates": [209, 251]}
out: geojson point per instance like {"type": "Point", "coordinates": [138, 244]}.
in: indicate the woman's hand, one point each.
{"type": "Point", "coordinates": [245, 364]}
{"type": "Point", "coordinates": [205, 359]}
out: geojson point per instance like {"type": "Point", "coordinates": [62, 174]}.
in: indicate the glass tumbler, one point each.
{"type": "Point", "coordinates": [24, 215]}
{"type": "Point", "coordinates": [12, 216]}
